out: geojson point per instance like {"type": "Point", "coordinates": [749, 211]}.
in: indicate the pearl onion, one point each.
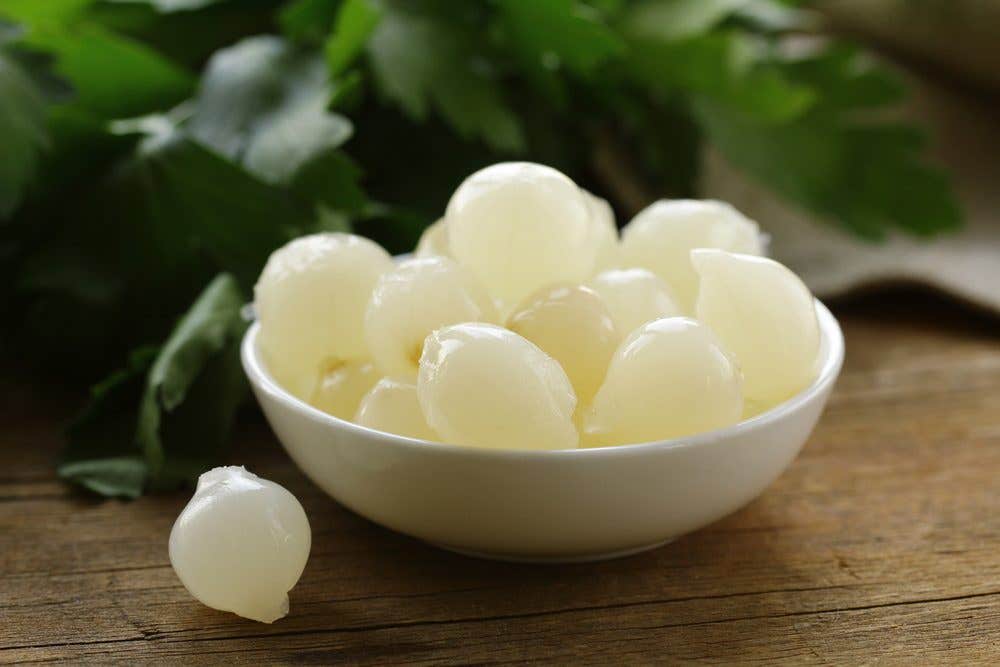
{"type": "Point", "coordinates": [341, 387]}
{"type": "Point", "coordinates": [634, 297]}
{"type": "Point", "coordinates": [416, 298]}
{"type": "Point", "coordinates": [520, 226]}
{"type": "Point", "coordinates": [765, 315]}
{"type": "Point", "coordinates": [241, 544]}
{"type": "Point", "coordinates": [433, 242]}
{"type": "Point", "coordinates": [484, 386]}
{"type": "Point", "coordinates": [660, 238]}
{"type": "Point", "coordinates": [668, 379]}
{"type": "Point", "coordinates": [310, 301]}
{"type": "Point", "coordinates": [571, 324]}
{"type": "Point", "coordinates": [392, 406]}
{"type": "Point", "coordinates": [603, 233]}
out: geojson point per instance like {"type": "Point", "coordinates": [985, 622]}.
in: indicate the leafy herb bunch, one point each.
{"type": "Point", "coordinates": [132, 187]}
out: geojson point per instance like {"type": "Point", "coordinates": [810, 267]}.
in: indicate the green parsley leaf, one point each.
{"type": "Point", "coordinates": [355, 22]}
{"type": "Point", "coordinates": [201, 348]}
{"type": "Point", "coordinates": [421, 61]}
{"type": "Point", "coordinates": [190, 207]}
{"type": "Point", "coordinates": [848, 79]}
{"type": "Point", "coordinates": [112, 476]}
{"type": "Point", "coordinates": [167, 6]}
{"type": "Point", "coordinates": [186, 37]}
{"type": "Point", "coordinates": [307, 21]}
{"type": "Point", "coordinates": [331, 181]}
{"type": "Point", "coordinates": [847, 165]}
{"type": "Point", "coordinates": [720, 66]}
{"type": "Point", "coordinates": [101, 65]}
{"type": "Point", "coordinates": [23, 131]}
{"type": "Point", "coordinates": [44, 14]}
{"type": "Point", "coordinates": [185, 394]}
{"type": "Point", "coordinates": [775, 17]}
{"type": "Point", "coordinates": [263, 103]}
{"type": "Point", "coordinates": [866, 175]}
{"type": "Point", "coordinates": [678, 19]}
{"type": "Point", "coordinates": [101, 453]}
{"type": "Point", "coordinates": [550, 33]}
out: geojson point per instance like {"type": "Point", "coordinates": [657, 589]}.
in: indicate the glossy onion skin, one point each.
{"type": "Point", "coordinates": [414, 299]}
{"type": "Point", "coordinates": [765, 316]}
{"type": "Point", "coordinates": [341, 387]}
{"type": "Point", "coordinates": [241, 544]}
{"type": "Point", "coordinates": [634, 297]}
{"type": "Point", "coordinates": [572, 325]}
{"type": "Point", "coordinates": [433, 241]}
{"type": "Point", "coordinates": [520, 226]}
{"type": "Point", "coordinates": [661, 236]}
{"type": "Point", "coordinates": [603, 234]}
{"type": "Point", "coordinates": [310, 300]}
{"type": "Point", "coordinates": [484, 386]}
{"type": "Point", "coordinates": [392, 407]}
{"type": "Point", "coordinates": [669, 378]}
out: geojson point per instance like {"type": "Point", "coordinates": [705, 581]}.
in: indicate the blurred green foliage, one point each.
{"type": "Point", "coordinates": [154, 152]}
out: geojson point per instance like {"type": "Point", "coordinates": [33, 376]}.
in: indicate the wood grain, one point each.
{"type": "Point", "coordinates": [880, 545]}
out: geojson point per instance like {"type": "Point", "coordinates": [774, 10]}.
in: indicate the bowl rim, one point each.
{"type": "Point", "coordinates": [832, 341]}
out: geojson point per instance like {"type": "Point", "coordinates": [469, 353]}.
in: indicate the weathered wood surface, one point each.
{"type": "Point", "coordinates": [881, 544]}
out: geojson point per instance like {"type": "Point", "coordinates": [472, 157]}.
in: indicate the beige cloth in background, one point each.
{"type": "Point", "coordinates": [966, 141]}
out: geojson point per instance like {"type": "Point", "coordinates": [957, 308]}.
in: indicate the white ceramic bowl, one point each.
{"type": "Point", "coordinates": [566, 505]}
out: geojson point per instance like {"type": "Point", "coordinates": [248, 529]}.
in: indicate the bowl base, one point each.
{"type": "Point", "coordinates": [568, 558]}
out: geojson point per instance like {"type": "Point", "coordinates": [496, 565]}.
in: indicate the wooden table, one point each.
{"type": "Point", "coordinates": [881, 543]}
